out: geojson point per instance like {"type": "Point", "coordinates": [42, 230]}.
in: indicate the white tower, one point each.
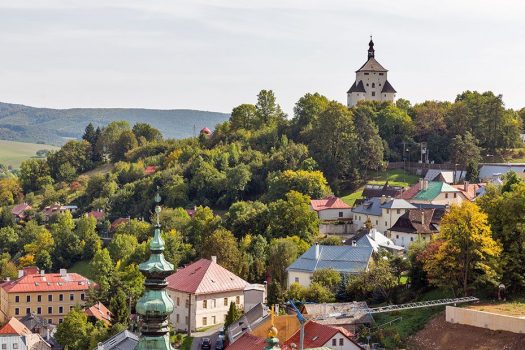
{"type": "Point", "coordinates": [371, 82]}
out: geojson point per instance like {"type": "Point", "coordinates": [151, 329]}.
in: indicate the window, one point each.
{"type": "Point", "coordinates": [386, 224]}
{"type": "Point", "coordinates": [39, 310]}
{"type": "Point", "coordinates": [373, 93]}
{"type": "Point", "coordinates": [50, 297]}
{"type": "Point", "coordinates": [373, 85]}
{"type": "Point", "coordinates": [388, 211]}
{"type": "Point", "coordinates": [237, 300]}
{"type": "Point", "coordinates": [50, 321]}
{"type": "Point", "coordinates": [178, 318]}
{"type": "Point", "coordinates": [366, 84]}
{"type": "Point", "coordinates": [446, 195]}
{"type": "Point", "coordinates": [70, 307]}
{"type": "Point", "coordinates": [50, 310]}
{"type": "Point", "coordinates": [334, 342]}
{"type": "Point", "coordinates": [204, 321]}
{"type": "Point", "coordinates": [60, 310]}
{"type": "Point", "coordinates": [411, 239]}
{"type": "Point", "coordinates": [28, 310]}
{"type": "Point", "coordinates": [187, 302]}
{"type": "Point", "coordinates": [341, 342]}
{"type": "Point", "coordinates": [61, 297]}
{"type": "Point", "coordinates": [377, 222]}
{"type": "Point", "coordinates": [380, 73]}
{"type": "Point", "coordinates": [297, 279]}
{"type": "Point", "coordinates": [28, 298]}
{"type": "Point", "coordinates": [367, 73]}
{"type": "Point", "coordinates": [340, 214]}
{"type": "Point", "coordinates": [186, 319]}
{"type": "Point", "coordinates": [60, 320]}
{"type": "Point", "coordinates": [178, 301]}
{"type": "Point", "coordinates": [17, 299]}
{"type": "Point", "coordinates": [397, 236]}
{"type": "Point", "coordinates": [71, 297]}
{"type": "Point", "coordinates": [82, 296]}
{"type": "Point", "coordinates": [213, 320]}
{"type": "Point", "coordinates": [399, 211]}
{"type": "Point", "coordinates": [225, 301]}
{"type": "Point", "coordinates": [15, 346]}
{"type": "Point", "coordinates": [455, 195]}
{"type": "Point", "coordinates": [4, 346]}
{"type": "Point", "coordinates": [205, 304]}
{"type": "Point", "coordinates": [17, 311]}
{"type": "Point", "coordinates": [39, 298]}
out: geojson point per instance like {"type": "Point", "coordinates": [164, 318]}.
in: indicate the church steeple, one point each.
{"type": "Point", "coordinates": [371, 50]}
{"type": "Point", "coordinates": [155, 306]}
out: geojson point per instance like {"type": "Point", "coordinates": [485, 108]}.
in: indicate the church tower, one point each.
{"type": "Point", "coordinates": [155, 306]}
{"type": "Point", "coordinates": [371, 82]}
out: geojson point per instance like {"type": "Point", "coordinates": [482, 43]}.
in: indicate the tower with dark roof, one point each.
{"type": "Point", "coordinates": [371, 82]}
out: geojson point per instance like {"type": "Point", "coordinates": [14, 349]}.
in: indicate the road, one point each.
{"type": "Point", "coordinates": [210, 333]}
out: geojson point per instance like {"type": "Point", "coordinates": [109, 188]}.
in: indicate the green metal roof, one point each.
{"type": "Point", "coordinates": [433, 190]}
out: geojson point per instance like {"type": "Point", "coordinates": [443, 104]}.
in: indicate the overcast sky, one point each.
{"type": "Point", "coordinates": [214, 55]}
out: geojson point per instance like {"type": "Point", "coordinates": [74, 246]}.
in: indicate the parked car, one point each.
{"type": "Point", "coordinates": [219, 344]}
{"type": "Point", "coordinates": [221, 333]}
{"type": "Point", "coordinates": [206, 344]}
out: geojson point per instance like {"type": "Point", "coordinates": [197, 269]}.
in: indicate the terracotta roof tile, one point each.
{"type": "Point", "coordinates": [100, 312]}
{"type": "Point", "coordinates": [247, 342]}
{"type": "Point", "coordinates": [331, 202]}
{"type": "Point", "coordinates": [15, 327]}
{"type": "Point", "coordinates": [47, 282]}
{"type": "Point", "coordinates": [20, 209]}
{"type": "Point", "coordinates": [205, 277]}
{"type": "Point", "coordinates": [316, 335]}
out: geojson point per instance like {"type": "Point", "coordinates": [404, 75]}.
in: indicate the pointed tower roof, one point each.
{"type": "Point", "coordinates": [388, 87]}
{"type": "Point", "coordinates": [357, 87]}
{"type": "Point", "coordinates": [371, 65]}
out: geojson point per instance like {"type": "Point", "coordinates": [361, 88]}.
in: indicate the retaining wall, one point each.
{"type": "Point", "coordinates": [483, 319]}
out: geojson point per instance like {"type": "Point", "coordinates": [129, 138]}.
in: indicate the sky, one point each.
{"type": "Point", "coordinates": [215, 55]}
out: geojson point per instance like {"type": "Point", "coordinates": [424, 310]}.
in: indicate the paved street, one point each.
{"type": "Point", "coordinates": [212, 333]}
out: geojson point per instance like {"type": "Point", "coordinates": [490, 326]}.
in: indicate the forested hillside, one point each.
{"type": "Point", "coordinates": [55, 126]}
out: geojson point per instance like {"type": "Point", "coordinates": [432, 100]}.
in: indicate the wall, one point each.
{"type": "Point", "coordinates": [336, 229]}
{"type": "Point", "coordinates": [304, 278]}
{"type": "Point", "coordinates": [484, 319]}
{"type": "Point", "coordinates": [371, 77]}
{"type": "Point", "coordinates": [333, 214]}
{"type": "Point", "coordinates": [406, 239]}
{"type": "Point", "coordinates": [10, 340]}
{"type": "Point", "coordinates": [347, 343]}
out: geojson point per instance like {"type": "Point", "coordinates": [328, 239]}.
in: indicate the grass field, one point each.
{"type": "Point", "coordinates": [82, 268]}
{"type": "Point", "coordinates": [13, 153]}
{"type": "Point", "coordinates": [513, 308]}
{"type": "Point", "coordinates": [395, 177]}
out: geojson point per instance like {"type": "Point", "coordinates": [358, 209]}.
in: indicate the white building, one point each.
{"type": "Point", "coordinates": [14, 335]}
{"type": "Point", "coordinates": [371, 82]}
{"type": "Point", "coordinates": [382, 212]}
{"type": "Point", "coordinates": [202, 293]}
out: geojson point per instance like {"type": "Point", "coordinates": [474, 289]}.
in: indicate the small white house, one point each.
{"type": "Point", "coordinates": [331, 209]}
{"type": "Point", "coordinates": [382, 212]}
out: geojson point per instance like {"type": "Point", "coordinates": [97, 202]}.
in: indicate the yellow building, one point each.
{"type": "Point", "coordinates": [48, 295]}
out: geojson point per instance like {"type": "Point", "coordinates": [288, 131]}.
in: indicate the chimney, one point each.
{"type": "Point", "coordinates": [425, 184]}
{"type": "Point", "coordinates": [465, 186]}
{"type": "Point", "coordinates": [317, 253]}
{"type": "Point", "coordinates": [383, 199]}
{"type": "Point", "coordinates": [421, 183]}
{"type": "Point", "coordinates": [63, 272]}
{"type": "Point", "coordinates": [422, 217]}
{"type": "Point", "coordinates": [354, 243]}
{"type": "Point", "coordinates": [214, 259]}
{"type": "Point", "coordinates": [20, 273]}
{"type": "Point", "coordinates": [8, 279]}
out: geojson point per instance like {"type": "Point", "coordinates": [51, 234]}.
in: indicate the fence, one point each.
{"type": "Point", "coordinates": [482, 319]}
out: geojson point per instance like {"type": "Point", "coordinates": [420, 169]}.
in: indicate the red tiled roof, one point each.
{"type": "Point", "coordinates": [100, 312]}
{"type": "Point", "coordinates": [14, 327]}
{"type": "Point", "coordinates": [205, 277]}
{"type": "Point", "coordinates": [117, 222]}
{"type": "Point", "coordinates": [206, 131]}
{"type": "Point", "coordinates": [150, 169]}
{"type": "Point", "coordinates": [20, 209]}
{"type": "Point", "coordinates": [331, 202]}
{"type": "Point", "coordinates": [410, 192]}
{"type": "Point", "coordinates": [247, 342]}
{"type": "Point", "coordinates": [34, 282]}
{"type": "Point", "coordinates": [97, 214]}
{"type": "Point", "coordinates": [471, 189]}
{"type": "Point", "coordinates": [316, 335]}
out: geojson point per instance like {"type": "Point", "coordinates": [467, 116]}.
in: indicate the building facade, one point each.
{"type": "Point", "coordinates": [371, 82]}
{"type": "Point", "coordinates": [48, 295]}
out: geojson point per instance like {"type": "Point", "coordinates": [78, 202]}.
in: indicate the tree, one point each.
{"type": "Point", "coordinates": [74, 332]}
{"type": "Point", "coordinates": [149, 133]}
{"type": "Point", "coordinates": [282, 252]}
{"type": "Point", "coordinates": [247, 217]}
{"type": "Point", "coordinates": [416, 272]}
{"type": "Point", "coordinates": [275, 293]}
{"type": "Point", "coordinates": [122, 246]}
{"type": "Point", "coordinates": [244, 117]}
{"type": "Point", "coordinates": [86, 230]}
{"type": "Point", "coordinates": [222, 244]}
{"type": "Point", "coordinates": [176, 250]}
{"type": "Point", "coordinates": [10, 191]}
{"type": "Point", "coordinates": [465, 253]}
{"type": "Point", "coordinates": [267, 110]}
{"type": "Point", "coordinates": [429, 119]}
{"type": "Point", "coordinates": [306, 113]}
{"type": "Point", "coordinates": [34, 173]}
{"type": "Point", "coordinates": [102, 268]}
{"type": "Point", "coordinates": [90, 135]}
{"type": "Point", "coordinates": [68, 247]}
{"type": "Point", "coordinates": [464, 150]}
{"type": "Point", "coordinates": [318, 293]}
{"type": "Point", "coordinates": [110, 135]}
{"type": "Point", "coordinates": [296, 292]}
{"type": "Point", "coordinates": [126, 142]}
{"type": "Point", "coordinates": [395, 127]}
{"type": "Point", "coordinates": [201, 226]}
{"type": "Point", "coordinates": [378, 279]}
{"type": "Point", "coordinates": [8, 240]}
{"type": "Point", "coordinates": [369, 145]}
{"type": "Point", "coordinates": [119, 308]}
{"type": "Point", "coordinates": [73, 158]}
{"type": "Point", "coordinates": [233, 315]}
{"type": "Point", "coordinates": [293, 216]}
{"type": "Point", "coordinates": [328, 278]}
{"type": "Point", "coordinates": [310, 183]}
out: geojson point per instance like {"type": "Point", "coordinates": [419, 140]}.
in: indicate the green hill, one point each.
{"type": "Point", "coordinates": [13, 153]}
{"type": "Point", "coordinates": [56, 126]}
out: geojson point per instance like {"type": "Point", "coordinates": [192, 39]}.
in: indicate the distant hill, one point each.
{"type": "Point", "coordinates": [56, 126]}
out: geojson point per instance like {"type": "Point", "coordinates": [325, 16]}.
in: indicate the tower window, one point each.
{"type": "Point", "coordinates": [380, 73]}
{"type": "Point", "coordinates": [366, 73]}
{"type": "Point", "coordinates": [366, 84]}
{"type": "Point", "coordinates": [373, 85]}
{"type": "Point", "coordinates": [373, 93]}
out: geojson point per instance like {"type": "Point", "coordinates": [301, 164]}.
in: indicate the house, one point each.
{"type": "Point", "coordinates": [247, 342]}
{"type": "Point", "coordinates": [371, 82]}
{"type": "Point", "coordinates": [202, 293]}
{"type": "Point", "coordinates": [14, 335]}
{"type": "Point", "coordinates": [99, 312]}
{"type": "Point", "coordinates": [99, 215]}
{"type": "Point", "coordinates": [433, 192]}
{"type": "Point", "coordinates": [382, 212]}
{"type": "Point", "coordinates": [317, 335]}
{"type": "Point", "coordinates": [124, 340]}
{"type": "Point", "coordinates": [448, 176]}
{"type": "Point", "coordinates": [248, 321]}
{"type": "Point", "coordinates": [345, 259]}
{"type": "Point", "coordinates": [37, 324]}
{"type": "Point", "coordinates": [331, 209]}
{"type": "Point", "coordinates": [374, 190]}
{"type": "Point", "coordinates": [150, 170]}
{"type": "Point", "coordinates": [350, 316]}
{"type": "Point", "coordinates": [416, 223]}
{"type": "Point", "coordinates": [117, 222]}
{"type": "Point", "coordinates": [377, 241]}
{"type": "Point", "coordinates": [49, 295]}
{"type": "Point", "coordinates": [471, 191]}
{"type": "Point", "coordinates": [206, 131]}
{"type": "Point", "coordinates": [19, 211]}
{"type": "Point", "coordinates": [57, 208]}
{"type": "Point", "coordinates": [254, 294]}
{"type": "Point", "coordinates": [489, 172]}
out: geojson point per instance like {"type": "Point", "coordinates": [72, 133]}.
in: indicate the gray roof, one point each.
{"type": "Point", "coordinates": [397, 204]}
{"type": "Point", "coordinates": [388, 88]}
{"type": "Point", "coordinates": [338, 313]}
{"type": "Point", "coordinates": [370, 206]}
{"type": "Point", "coordinates": [357, 87]}
{"type": "Point", "coordinates": [372, 66]}
{"type": "Point", "coordinates": [247, 322]}
{"type": "Point", "coordinates": [491, 170]}
{"type": "Point", "coordinates": [346, 259]}
{"type": "Point", "coordinates": [124, 340]}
